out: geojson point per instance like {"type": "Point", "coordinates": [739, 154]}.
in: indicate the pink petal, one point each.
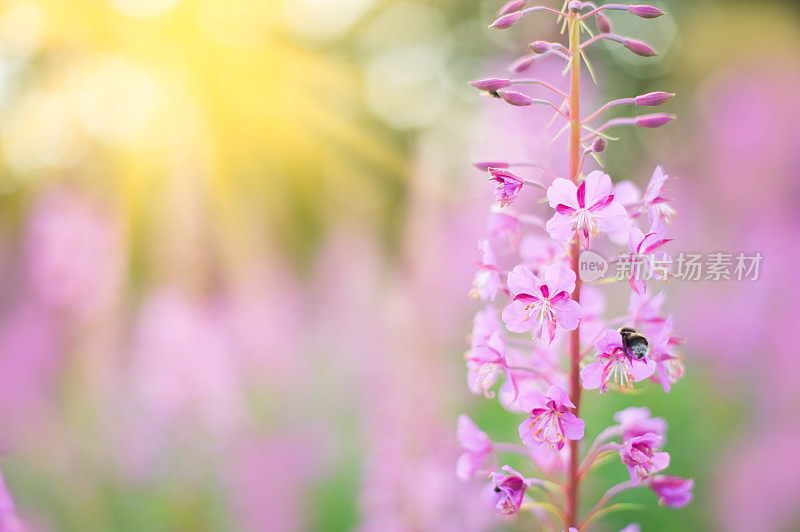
{"type": "Point", "coordinates": [533, 399]}
{"type": "Point", "coordinates": [660, 461]}
{"type": "Point", "coordinates": [559, 278]}
{"type": "Point", "coordinates": [568, 314]}
{"type": "Point", "coordinates": [598, 187]}
{"type": "Point", "coordinates": [642, 369]}
{"type": "Point", "coordinates": [522, 281]}
{"type": "Point", "coordinates": [592, 376]}
{"type": "Point", "coordinates": [514, 316]}
{"type": "Point", "coordinates": [654, 186]}
{"type": "Point", "coordinates": [559, 396]}
{"type": "Point", "coordinates": [560, 227]}
{"type": "Point", "coordinates": [564, 192]}
{"type": "Point", "coordinates": [627, 193]}
{"type": "Point", "coordinates": [470, 436]}
{"type": "Point", "coordinates": [613, 218]}
{"type": "Point", "coordinates": [573, 426]}
{"type": "Point", "coordinates": [610, 340]}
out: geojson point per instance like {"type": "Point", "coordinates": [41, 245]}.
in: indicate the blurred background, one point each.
{"type": "Point", "coordinates": [236, 242]}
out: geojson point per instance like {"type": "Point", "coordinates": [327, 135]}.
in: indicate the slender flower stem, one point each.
{"type": "Point", "coordinates": [609, 105]}
{"type": "Point", "coordinates": [574, 344]}
{"type": "Point", "coordinates": [541, 83]}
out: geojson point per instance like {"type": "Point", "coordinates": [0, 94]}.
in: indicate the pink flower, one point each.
{"type": "Point", "coordinates": [636, 421]}
{"type": "Point", "coordinates": [671, 491]}
{"type": "Point", "coordinates": [645, 312]}
{"type": "Point", "coordinates": [485, 363]}
{"type": "Point", "coordinates": [505, 227]}
{"type": "Point", "coordinates": [476, 447]}
{"type": "Point", "coordinates": [538, 306]}
{"type": "Point", "coordinates": [640, 246]}
{"type": "Point", "coordinates": [640, 456]}
{"type": "Point", "coordinates": [509, 185]}
{"type": "Point", "coordinates": [538, 251]}
{"type": "Point", "coordinates": [614, 364]}
{"type": "Point", "coordinates": [668, 365]}
{"type": "Point", "coordinates": [487, 279]}
{"type": "Point", "coordinates": [484, 325]}
{"type": "Point", "coordinates": [550, 421]}
{"type": "Point", "coordinates": [585, 209]}
{"type": "Point", "coordinates": [657, 206]}
{"type": "Point", "coordinates": [508, 490]}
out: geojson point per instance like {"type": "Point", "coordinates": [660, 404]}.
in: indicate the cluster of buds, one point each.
{"type": "Point", "coordinates": [550, 341]}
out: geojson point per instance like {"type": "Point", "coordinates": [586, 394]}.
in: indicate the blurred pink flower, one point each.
{"type": "Point", "coordinates": [75, 253]}
{"type": "Point", "coordinates": [671, 491]}
{"type": "Point", "coordinates": [508, 489]}
{"type": "Point", "coordinates": [476, 448]}
{"type": "Point", "coordinates": [641, 456]}
{"type": "Point", "coordinates": [637, 421]}
{"type": "Point", "coordinates": [487, 281]}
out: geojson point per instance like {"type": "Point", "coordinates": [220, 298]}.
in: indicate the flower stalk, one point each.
{"type": "Point", "coordinates": [545, 297]}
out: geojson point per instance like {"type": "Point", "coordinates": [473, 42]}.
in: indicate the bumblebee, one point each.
{"type": "Point", "coordinates": [634, 342]}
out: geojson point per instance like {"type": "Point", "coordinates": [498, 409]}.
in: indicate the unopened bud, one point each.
{"type": "Point", "coordinates": [506, 21]}
{"type": "Point", "coordinates": [515, 98]}
{"type": "Point", "coordinates": [603, 24]}
{"type": "Point", "coordinates": [484, 166]}
{"type": "Point", "coordinates": [575, 5]}
{"type": "Point", "coordinates": [654, 98]}
{"type": "Point", "coordinates": [654, 120]}
{"type": "Point", "coordinates": [639, 48]}
{"type": "Point", "coordinates": [539, 47]}
{"type": "Point", "coordinates": [645, 11]}
{"type": "Point", "coordinates": [599, 145]}
{"type": "Point", "coordinates": [491, 84]}
{"type": "Point", "coordinates": [523, 63]}
{"type": "Point", "coordinates": [511, 6]}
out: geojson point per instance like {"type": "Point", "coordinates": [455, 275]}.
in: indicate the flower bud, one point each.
{"type": "Point", "coordinates": [523, 63]}
{"type": "Point", "coordinates": [653, 120]}
{"type": "Point", "coordinates": [511, 6]}
{"type": "Point", "coordinates": [645, 11]}
{"type": "Point", "coordinates": [639, 48]}
{"type": "Point", "coordinates": [515, 98]}
{"type": "Point", "coordinates": [653, 98]}
{"type": "Point", "coordinates": [539, 47]}
{"type": "Point", "coordinates": [599, 145]}
{"type": "Point", "coordinates": [603, 24]}
{"type": "Point", "coordinates": [575, 5]}
{"type": "Point", "coordinates": [490, 84]}
{"type": "Point", "coordinates": [506, 21]}
{"type": "Point", "coordinates": [484, 166]}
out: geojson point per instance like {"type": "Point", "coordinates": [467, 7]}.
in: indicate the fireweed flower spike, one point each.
{"type": "Point", "coordinates": [550, 421]}
{"type": "Point", "coordinates": [570, 346]}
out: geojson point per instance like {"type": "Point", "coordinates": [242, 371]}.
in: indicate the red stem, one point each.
{"type": "Point", "coordinates": [574, 345]}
